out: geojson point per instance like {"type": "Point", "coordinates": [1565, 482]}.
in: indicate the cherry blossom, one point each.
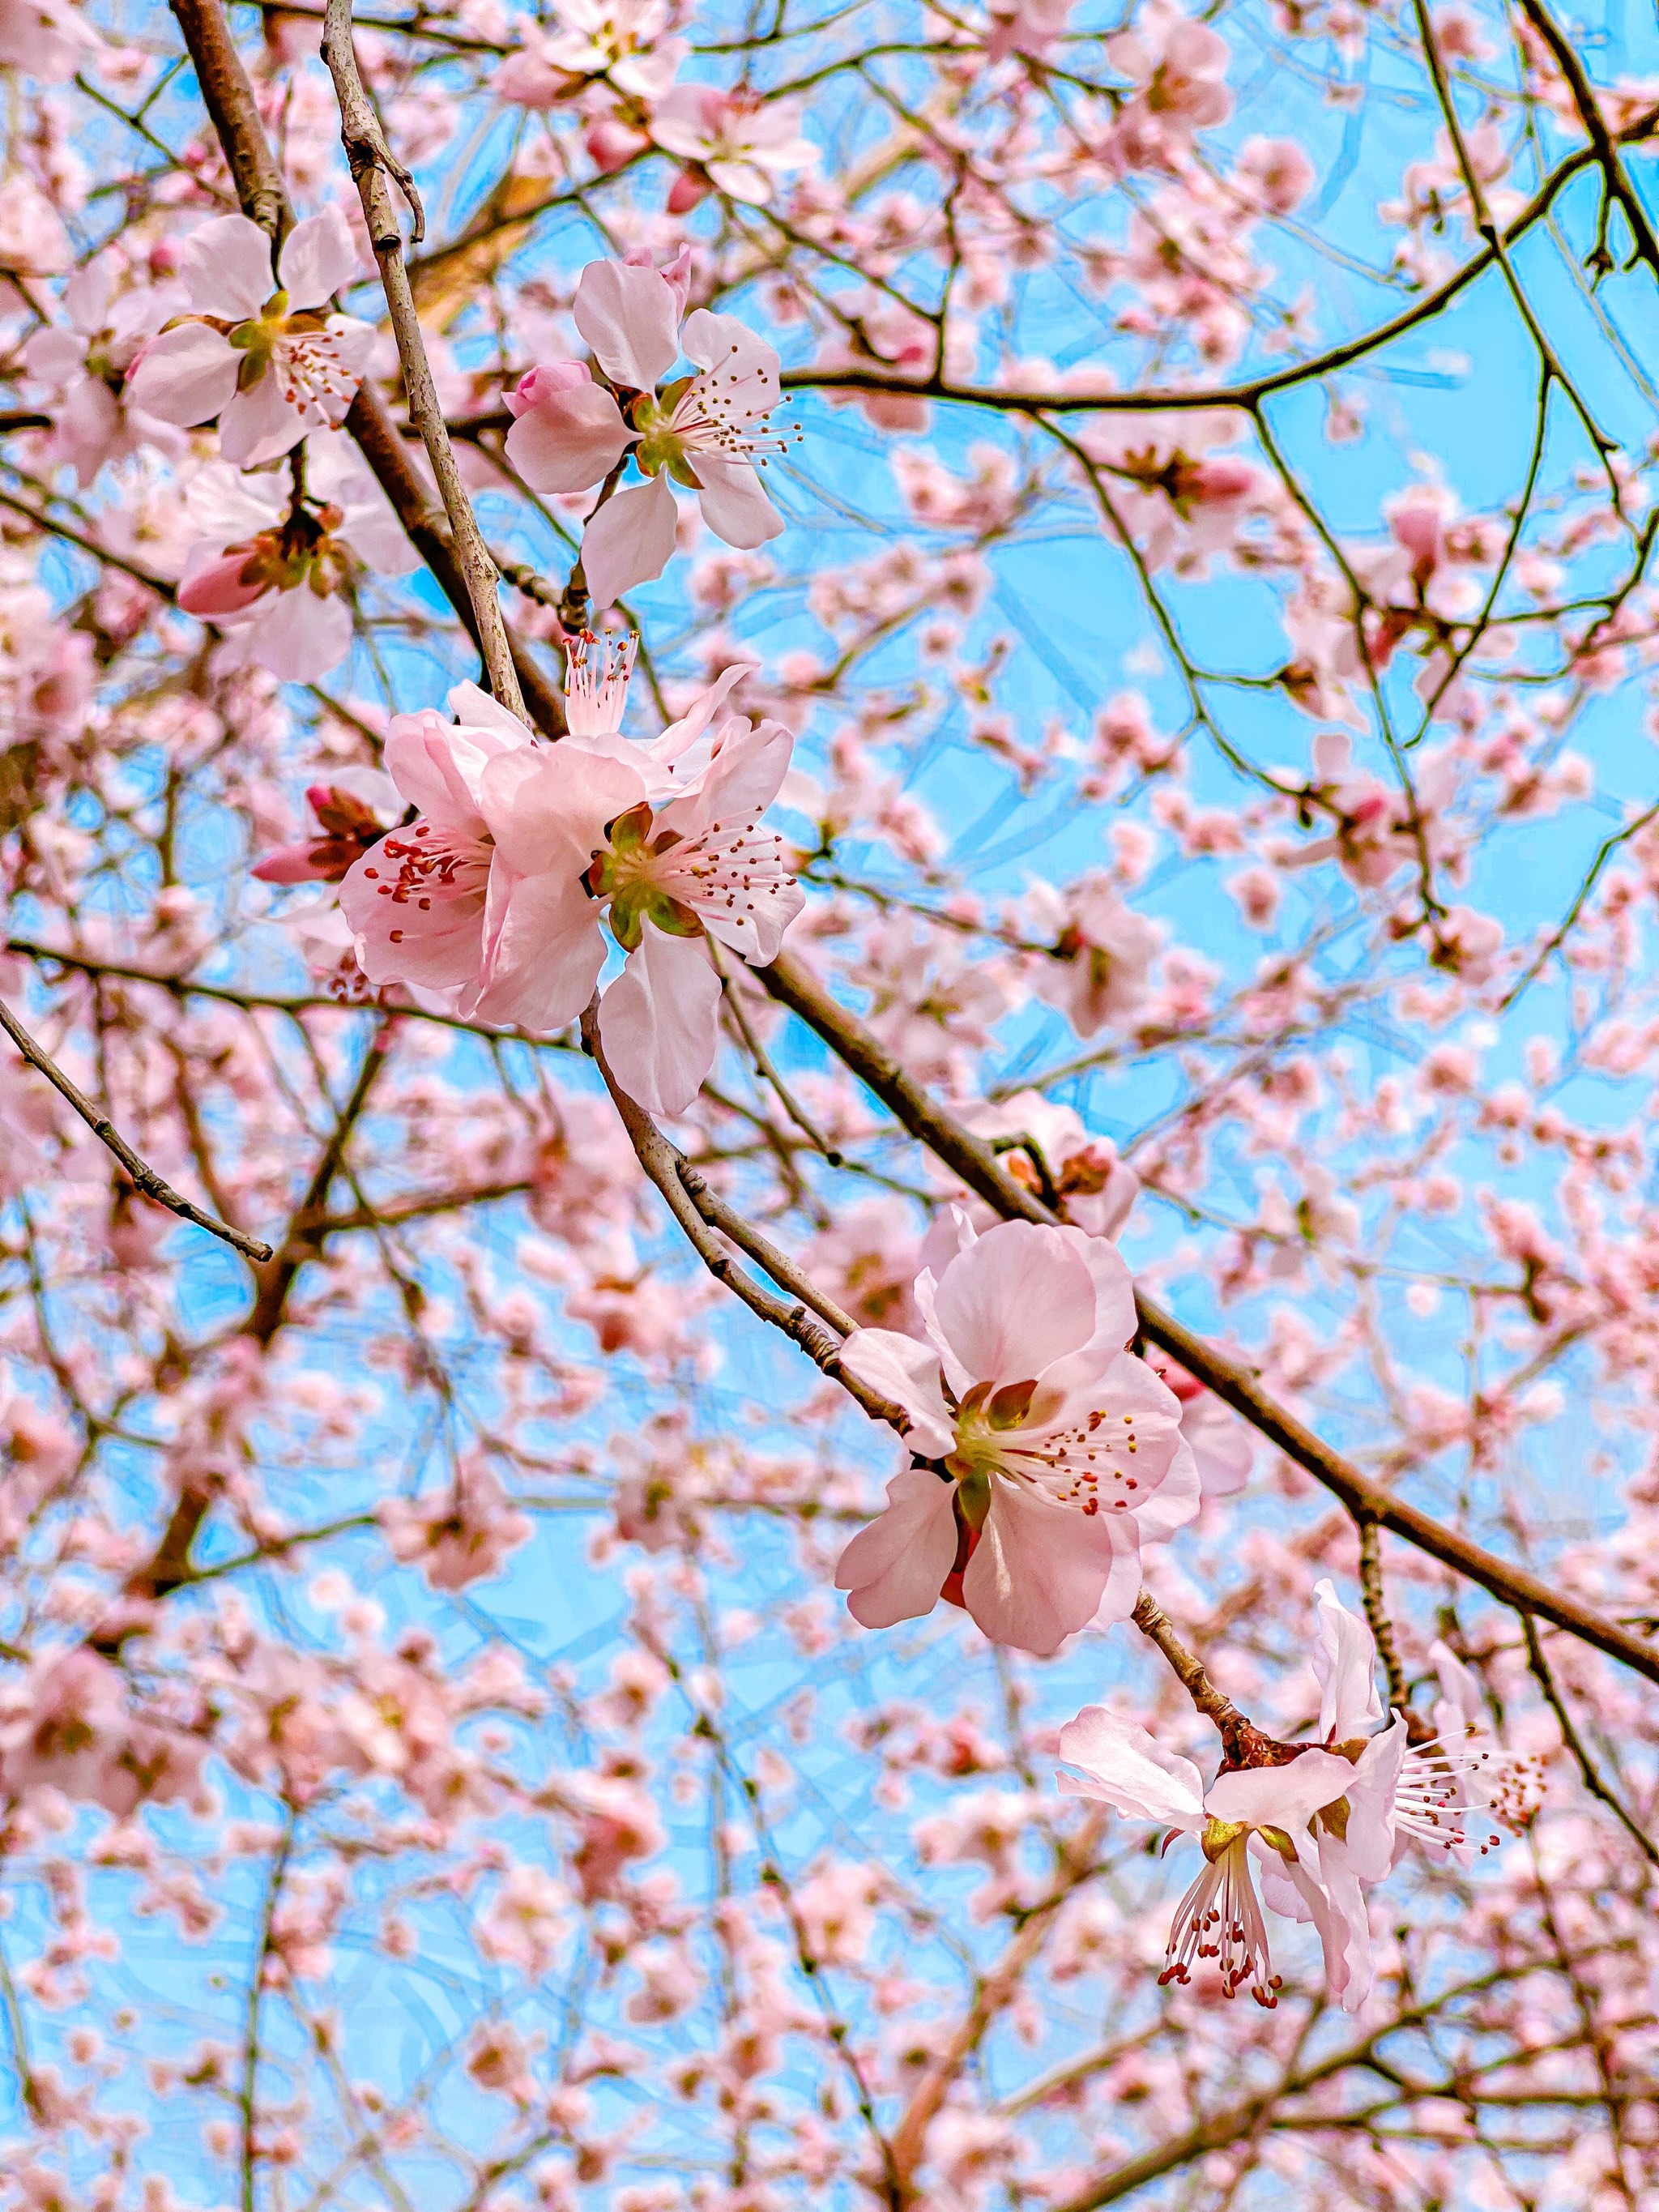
{"type": "Point", "coordinates": [496, 891]}
{"type": "Point", "coordinates": [353, 811]}
{"type": "Point", "coordinates": [1046, 1147]}
{"type": "Point", "coordinates": [570, 431]}
{"type": "Point", "coordinates": [1255, 1815]}
{"type": "Point", "coordinates": [665, 839]}
{"type": "Point", "coordinates": [732, 143]}
{"type": "Point", "coordinates": [1103, 952]}
{"type": "Point", "coordinates": [1061, 1454]}
{"type": "Point", "coordinates": [417, 902]}
{"type": "Point", "coordinates": [274, 570]}
{"type": "Point", "coordinates": [49, 39]}
{"type": "Point", "coordinates": [81, 367]}
{"type": "Point", "coordinates": [268, 357]}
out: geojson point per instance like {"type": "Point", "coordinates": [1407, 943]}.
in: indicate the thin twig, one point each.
{"type": "Point", "coordinates": [1540, 1667]}
{"type": "Point", "coordinates": [1377, 1611]}
{"type": "Point", "coordinates": [143, 1177]}
{"type": "Point", "coordinates": [370, 161]}
{"type": "Point", "coordinates": [764, 1066]}
{"type": "Point", "coordinates": [674, 1177]}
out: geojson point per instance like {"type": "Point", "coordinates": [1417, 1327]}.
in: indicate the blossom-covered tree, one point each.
{"type": "Point", "coordinates": [827, 1241]}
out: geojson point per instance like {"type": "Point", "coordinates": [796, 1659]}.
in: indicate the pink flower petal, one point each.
{"type": "Point", "coordinates": [319, 258]}
{"type": "Point", "coordinates": [734, 503]}
{"type": "Point", "coordinates": [630, 317]}
{"type": "Point", "coordinates": [186, 375]}
{"type": "Point", "coordinates": [1280, 1796]}
{"type": "Point", "coordinates": [299, 636]}
{"type": "Point", "coordinates": [258, 424]}
{"type": "Point", "coordinates": [908, 1373]}
{"type": "Point", "coordinates": [893, 1570]}
{"type": "Point", "coordinates": [547, 806]}
{"type": "Point", "coordinates": [225, 266]}
{"type": "Point", "coordinates": [657, 1021]}
{"type": "Point", "coordinates": [1345, 1661]}
{"type": "Point", "coordinates": [1039, 1569]}
{"type": "Point", "coordinates": [629, 541]}
{"type": "Point", "coordinates": [569, 439]}
{"type": "Point", "coordinates": [1127, 1768]}
{"type": "Point", "coordinates": [1015, 1301]}
{"type": "Point", "coordinates": [545, 954]}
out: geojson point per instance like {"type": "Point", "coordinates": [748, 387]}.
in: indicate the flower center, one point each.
{"type": "Point", "coordinates": [1087, 1465]}
{"type": "Point", "coordinates": [710, 413]}
{"type": "Point", "coordinates": [299, 350]}
{"type": "Point", "coordinates": [1220, 1918]}
{"type": "Point", "coordinates": [725, 872]}
{"type": "Point", "coordinates": [418, 867]}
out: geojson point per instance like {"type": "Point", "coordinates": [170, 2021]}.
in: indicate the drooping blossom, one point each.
{"type": "Point", "coordinates": [354, 810]}
{"type": "Point", "coordinates": [273, 570]}
{"type": "Point", "coordinates": [1103, 952]}
{"type": "Point", "coordinates": [571, 431]}
{"type": "Point", "coordinates": [497, 892]}
{"type": "Point", "coordinates": [266, 356]}
{"type": "Point", "coordinates": [735, 143]}
{"type": "Point", "coordinates": [1061, 1453]}
{"type": "Point", "coordinates": [81, 366]}
{"type": "Point", "coordinates": [415, 902]}
{"type": "Point", "coordinates": [1249, 1817]}
{"type": "Point", "coordinates": [1081, 1173]}
{"type": "Point", "coordinates": [1395, 1790]}
{"type": "Point", "coordinates": [627, 42]}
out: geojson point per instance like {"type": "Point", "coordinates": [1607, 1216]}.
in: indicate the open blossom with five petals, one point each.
{"type": "Point", "coordinates": [267, 358]}
{"type": "Point", "coordinates": [625, 41]}
{"type": "Point", "coordinates": [1060, 1452]}
{"type": "Point", "coordinates": [665, 840]}
{"type": "Point", "coordinates": [735, 143]}
{"type": "Point", "coordinates": [697, 431]}
{"type": "Point", "coordinates": [1319, 1826]}
{"type": "Point", "coordinates": [495, 893]}
{"type": "Point", "coordinates": [1249, 1817]}
{"type": "Point", "coordinates": [81, 364]}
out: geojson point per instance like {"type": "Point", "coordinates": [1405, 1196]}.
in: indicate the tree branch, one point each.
{"type": "Point", "coordinates": [143, 1177]}
{"type": "Point", "coordinates": [966, 1155]}
{"type": "Point", "coordinates": [372, 160]}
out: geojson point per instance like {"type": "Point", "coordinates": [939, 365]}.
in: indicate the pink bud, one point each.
{"type": "Point", "coordinates": [688, 189]}
{"type": "Point", "coordinates": [545, 379]}
{"type": "Point", "coordinates": [611, 145]}
{"type": "Point", "coordinates": [220, 589]}
{"type": "Point", "coordinates": [318, 861]}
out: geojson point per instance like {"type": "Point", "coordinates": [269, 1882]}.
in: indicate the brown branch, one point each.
{"type": "Point", "coordinates": [1372, 1597]}
{"type": "Point", "coordinates": [228, 98]}
{"type": "Point", "coordinates": [966, 1155]}
{"type": "Point", "coordinates": [1601, 138]}
{"type": "Point", "coordinates": [698, 1211]}
{"type": "Point", "coordinates": [143, 1177]}
{"type": "Point", "coordinates": [370, 161]}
